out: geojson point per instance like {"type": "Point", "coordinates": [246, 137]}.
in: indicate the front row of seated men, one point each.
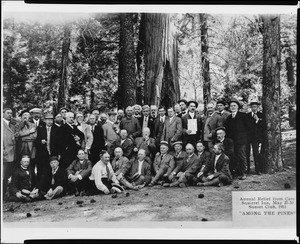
{"type": "Point", "coordinates": [170, 169]}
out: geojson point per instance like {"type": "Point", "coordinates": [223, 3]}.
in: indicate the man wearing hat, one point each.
{"type": "Point", "coordinates": [255, 136]}
{"type": "Point", "coordinates": [221, 110]}
{"type": "Point", "coordinates": [237, 126]}
{"type": "Point", "coordinates": [163, 164]}
{"type": "Point", "coordinates": [189, 134]}
{"type": "Point", "coordinates": [36, 114]}
{"type": "Point", "coordinates": [46, 144]}
{"type": "Point", "coordinates": [183, 106]}
{"type": "Point", "coordinates": [228, 147]}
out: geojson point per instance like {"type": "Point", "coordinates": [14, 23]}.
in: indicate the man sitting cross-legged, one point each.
{"type": "Point", "coordinates": [137, 173]}
{"type": "Point", "coordinates": [217, 172]}
{"type": "Point", "coordinates": [22, 186]}
{"type": "Point", "coordinates": [163, 164]}
{"type": "Point", "coordinates": [184, 173]}
{"type": "Point", "coordinates": [103, 176]}
{"type": "Point", "coordinates": [78, 173]}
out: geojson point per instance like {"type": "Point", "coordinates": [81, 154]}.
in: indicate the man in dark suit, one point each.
{"type": "Point", "coordinates": [46, 144]}
{"type": "Point", "coordinates": [183, 106]}
{"type": "Point", "coordinates": [204, 158]}
{"type": "Point", "coordinates": [78, 173]}
{"type": "Point", "coordinates": [70, 140]}
{"type": "Point", "coordinates": [221, 111]}
{"type": "Point", "coordinates": [159, 125]}
{"type": "Point", "coordinates": [189, 136]}
{"type": "Point", "coordinates": [131, 124]}
{"type": "Point", "coordinates": [228, 147]}
{"type": "Point", "coordinates": [98, 140]}
{"type": "Point", "coordinates": [255, 136]}
{"type": "Point", "coordinates": [125, 143]}
{"type": "Point", "coordinates": [172, 128]}
{"type": "Point", "coordinates": [236, 126]}
{"type": "Point", "coordinates": [217, 172]}
{"type": "Point", "coordinates": [146, 120]}
{"type": "Point", "coordinates": [184, 173]}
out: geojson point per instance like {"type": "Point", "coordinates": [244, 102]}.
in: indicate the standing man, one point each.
{"type": "Point", "coordinates": [147, 120]}
{"type": "Point", "coordinates": [63, 112]}
{"type": "Point", "coordinates": [36, 114]}
{"type": "Point", "coordinates": [96, 112]}
{"type": "Point", "coordinates": [46, 145]}
{"type": "Point", "coordinates": [70, 141]}
{"type": "Point", "coordinates": [137, 110]}
{"type": "Point", "coordinates": [255, 137]}
{"type": "Point", "coordinates": [177, 110]}
{"type": "Point", "coordinates": [191, 125]}
{"type": "Point", "coordinates": [183, 106]}
{"type": "Point", "coordinates": [110, 135]}
{"type": "Point", "coordinates": [98, 140]}
{"type": "Point", "coordinates": [237, 126]}
{"type": "Point", "coordinates": [172, 130]}
{"type": "Point", "coordinates": [131, 124]}
{"type": "Point", "coordinates": [153, 111]}
{"type": "Point", "coordinates": [159, 125]}
{"type": "Point", "coordinates": [221, 111]}
{"type": "Point", "coordinates": [9, 143]}
{"type": "Point", "coordinates": [212, 120]}
{"type": "Point", "coordinates": [87, 132]}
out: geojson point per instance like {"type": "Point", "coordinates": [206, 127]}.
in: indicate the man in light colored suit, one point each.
{"type": "Point", "coordinates": [110, 134]}
{"type": "Point", "coordinates": [87, 131]}
{"type": "Point", "coordinates": [172, 130]}
{"type": "Point", "coordinates": [163, 164]}
{"type": "Point", "coordinates": [9, 134]}
{"type": "Point", "coordinates": [145, 142]}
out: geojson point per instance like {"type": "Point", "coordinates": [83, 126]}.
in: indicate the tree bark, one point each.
{"type": "Point", "coordinates": [63, 86]}
{"type": "Point", "coordinates": [271, 150]}
{"type": "Point", "coordinates": [161, 86]}
{"type": "Point", "coordinates": [127, 76]}
{"type": "Point", "coordinates": [204, 60]}
{"type": "Point", "coordinates": [292, 85]}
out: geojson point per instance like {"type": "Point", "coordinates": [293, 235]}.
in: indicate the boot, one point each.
{"type": "Point", "coordinates": [213, 182]}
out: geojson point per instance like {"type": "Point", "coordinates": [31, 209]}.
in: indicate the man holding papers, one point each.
{"type": "Point", "coordinates": [191, 125]}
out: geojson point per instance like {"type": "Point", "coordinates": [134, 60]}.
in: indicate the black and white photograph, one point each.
{"type": "Point", "coordinates": [148, 121]}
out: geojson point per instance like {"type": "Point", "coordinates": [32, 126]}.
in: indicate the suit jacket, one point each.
{"type": "Point", "coordinates": [204, 160]}
{"type": "Point", "coordinates": [158, 128]}
{"type": "Point", "coordinates": [60, 179]}
{"type": "Point", "coordinates": [88, 136]}
{"type": "Point", "coordinates": [172, 131]}
{"type": "Point", "coordinates": [186, 138]}
{"type": "Point", "coordinates": [222, 166]}
{"type": "Point", "coordinates": [255, 131]}
{"type": "Point", "coordinates": [127, 146]}
{"type": "Point", "coordinates": [9, 142]}
{"type": "Point", "coordinates": [214, 122]}
{"type": "Point", "coordinates": [224, 116]}
{"type": "Point", "coordinates": [132, 126]}
{"type": "Point", "coordinates": [85, 168]}
{"type": "Point", "coordinates": [42, 151]}
{"type": "Point", "coordinates": [119, 165]}
{"type": "Point", "coordinates": [236, 128]}
{"type": "Point", "coordinates": [150, 148]}
{"type": "Point", "coordinates": [110, 134]}
{"type": "Point", "coordinates": [189, 165]}
{"type": "Point", "coordinates": [21, 180]}
{"type": "Point", "coordinates": [97, 145]}
{"type": "Point", "coordinates": [132, 168]}
{"type": "Point", "coordinates": [179, 158]}
{"type": "Point", "coordinates": [150, 124]}
{"type": "Point", "coordinates": [167, 162]}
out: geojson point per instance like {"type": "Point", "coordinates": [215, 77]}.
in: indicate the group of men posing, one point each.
{"type": "Point", "coordinates": [110, 152]}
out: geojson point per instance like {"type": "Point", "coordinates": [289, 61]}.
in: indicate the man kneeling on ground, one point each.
{"type": "Point", "coordinates": [184, 173]}
{"type": "Point", "coordinates": [217, 172]}
{"type": "Point", "coordinates": [137, 173]}
{"type": "Point", "coordinates": [78, 173]}
{"type": "Point", "coordinates": [163, 164]}
{"type": "Point", "coordinates": [103, 176]}
{"type": "Point", "coordinates": [23, 182]}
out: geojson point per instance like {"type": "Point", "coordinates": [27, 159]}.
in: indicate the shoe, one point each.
{"type": "Point", "coordinates": [151, 184]}
{"type": "Point", "coordinates": [242, 177]}
{"type": "Point", "coordinates": [200, 184]}
{"type": "Point", "coordinates": [182, 185]}
{"type": "Point", "coordinates": [166, 185]}
{"type": "Point", "coordinates": [174, 184]}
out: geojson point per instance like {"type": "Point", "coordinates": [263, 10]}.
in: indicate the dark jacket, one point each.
{"type": "Point", "coordinates": [179, 158]}
{"type": "Point", "coordinates": [132, 168]}
{"type": "Point", "coordinates": [127, 146]}
{"type": "Point", "coordinates": [41, 149]}
{"type": "Point", "coordinates": [150, 124]}
{"type": "Point", "coordinates": [222, 167]}
{"type": "Point", "coordinates": [189, 165]}
{"type": "Point", "coordinates": [255, 131]}
{"type": "Point", "coordinates": [204, 160]}
{"type": "Point", "coordinates": [97, 145]}
{"type": "Point", "coordinates": [21, 180]}
{"type": "Point", "coordinates": [60, 179]}
{"type": "Point", "coordinates": [132, 126]}
{"type": "Point", "coordinates": [85, 168]}
{"type": "Point", "coordinates": [236, 128]}
{"type": "Point", "coordinates": [186, 138]}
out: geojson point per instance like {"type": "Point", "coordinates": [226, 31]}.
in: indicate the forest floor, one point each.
{"type": "Point", "coordinates": [156, 203]}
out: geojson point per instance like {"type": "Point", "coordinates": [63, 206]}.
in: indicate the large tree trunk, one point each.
{"type": "Point", "coordinates": [127, 77]}
{"type": "Point", "coordinates": [292, 85]}
{"type": "Point", "coordinates": [63, 86]}
{"type": "Point", "coordinates": [161, 61]}
{"type": "Point", "coordinates": [204, 60]}
{"type": "Point", "coordinates": [271, 150]}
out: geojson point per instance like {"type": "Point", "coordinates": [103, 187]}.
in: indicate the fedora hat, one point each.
{"type": "Point", "coordinates": [234, 100]}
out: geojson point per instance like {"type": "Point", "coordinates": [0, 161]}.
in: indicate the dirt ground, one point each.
{"type": "Point", "coordinates": [157, 203]}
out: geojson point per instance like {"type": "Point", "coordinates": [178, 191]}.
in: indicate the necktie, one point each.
{"type": "Point", "coordinates": [93, 128]}
{"type": "Point", "coordinates": [52, 181]}
{"type": "Point", "coordinates": [48, 139]}
{"type": "Point", "coordinates": [161, 120]}
{"type": "Point", "coordinates": [108, 173]}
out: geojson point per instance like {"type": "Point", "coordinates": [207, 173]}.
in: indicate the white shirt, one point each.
{"type": "Point", "coordinates": [162, 118]}
{"type": "Point", "coordinates": [192, 115]}
{"type": "Point", "coordinates": [37, 122]}
{"type": "Point", "coordinates": [172, 118]}
{"type": "Point", "coordinates": [6, 121]}
{"type": "Point", "coordinates": [234, 114]}
{"type": "Point", "coordinates": [145, 121]}
{"type": "Point", "coordinates": [80, 127]}
{"type": "Point", "coordinates": [140, 167]}
{"type": "Point", "coordinates": [216, 159]}
{"type": "Point", "coordinates": [122, 141]}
